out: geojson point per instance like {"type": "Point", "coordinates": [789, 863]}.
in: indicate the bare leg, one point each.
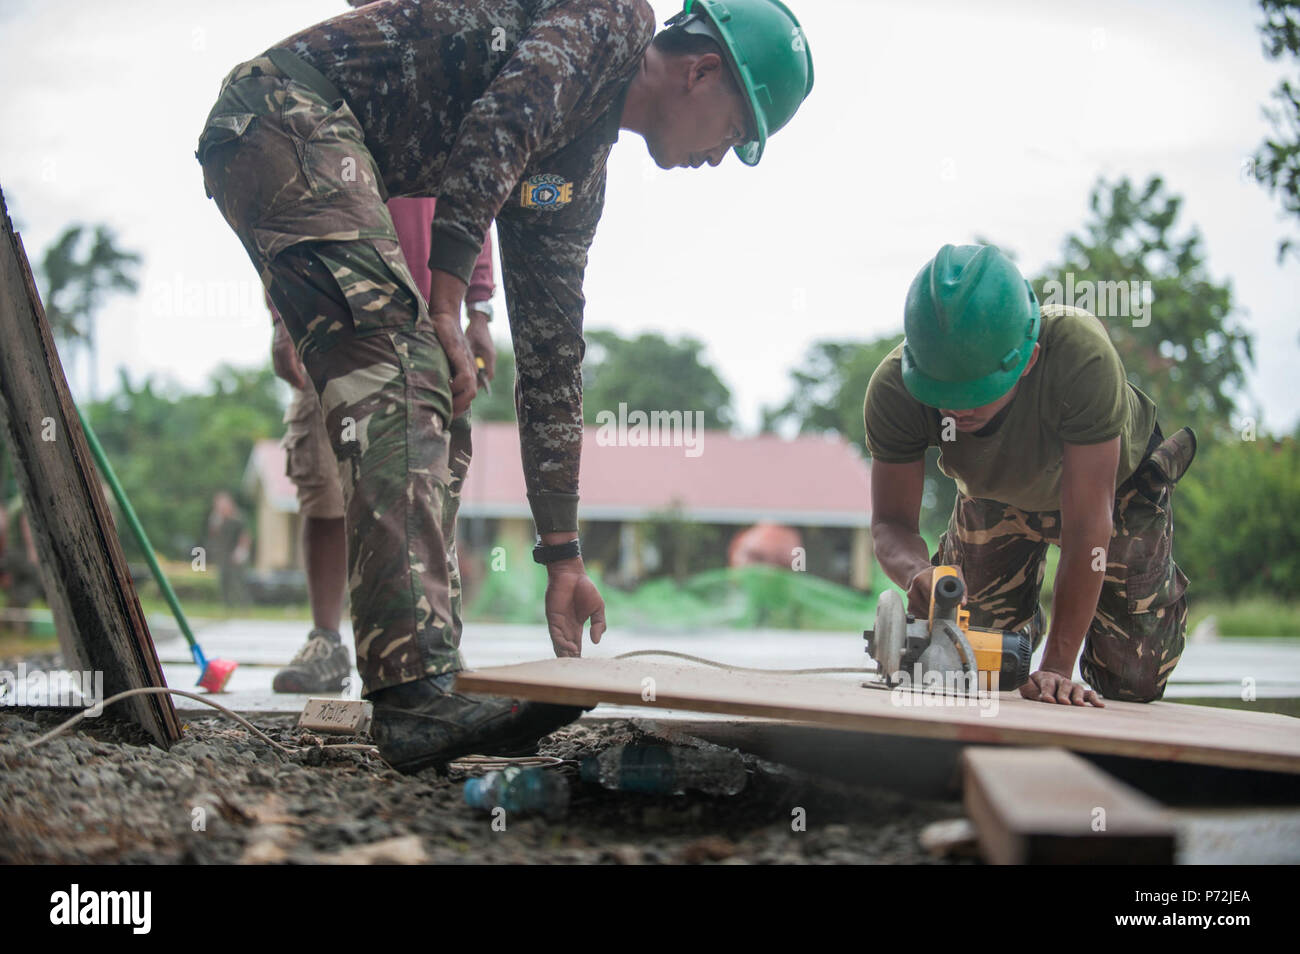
{"type": "Point", "coordinates": [325, 557]}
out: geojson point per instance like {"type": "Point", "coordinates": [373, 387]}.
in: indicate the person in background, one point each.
{"type": "Point", "coordinates": [19, 575]}
{"type": "Point", "coordinates": [323, 664]}
{"type": "Point", "coordinates": [228, 544]}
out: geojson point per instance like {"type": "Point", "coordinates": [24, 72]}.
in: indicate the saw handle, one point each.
{"type": "Point", "coordinates": [946, 593]}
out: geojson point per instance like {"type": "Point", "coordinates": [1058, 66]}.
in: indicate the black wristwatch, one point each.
{"type": "Point", "coordinates": [552, 553]}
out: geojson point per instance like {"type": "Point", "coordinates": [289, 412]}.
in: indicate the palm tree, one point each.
{"type": "Point", "coordinates": [76, 285]}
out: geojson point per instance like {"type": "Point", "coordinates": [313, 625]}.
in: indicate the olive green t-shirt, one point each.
{"type": "Point", "coordinates": [1076, 393]}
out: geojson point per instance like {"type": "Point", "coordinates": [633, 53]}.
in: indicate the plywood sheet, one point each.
{"type": "Point", "coordinates": [1158, 730]}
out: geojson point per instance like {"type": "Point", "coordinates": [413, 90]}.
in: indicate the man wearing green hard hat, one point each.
{"type": "Point", "coordinates": [1048, 443]}
{"type": "Point", "coordinates": [506, 111]}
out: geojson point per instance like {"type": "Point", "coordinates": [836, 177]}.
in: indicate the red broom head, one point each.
{"type": "Point", "coordinates": [217, 674]}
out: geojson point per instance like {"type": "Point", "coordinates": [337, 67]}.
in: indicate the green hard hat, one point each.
{"type": "Point", "coordinates": [769, 58]}
{"type": "Point", "coordinates": [971, 322]}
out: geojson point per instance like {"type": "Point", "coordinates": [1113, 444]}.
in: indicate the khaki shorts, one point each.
{"type": "Point", "coordinates": [310, 461]}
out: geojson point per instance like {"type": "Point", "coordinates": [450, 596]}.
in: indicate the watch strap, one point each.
{"type": "Point", "coordinates": [552, 553]}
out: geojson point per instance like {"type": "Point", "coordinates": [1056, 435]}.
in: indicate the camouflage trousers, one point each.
{"type": "Point", "coordinates": [1138, 631]}
{"type": "Point", "coordinates": [290, 171]}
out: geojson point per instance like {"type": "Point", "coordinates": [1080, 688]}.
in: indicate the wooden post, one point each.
{"type": "Point", "coordinates": [96, 609]}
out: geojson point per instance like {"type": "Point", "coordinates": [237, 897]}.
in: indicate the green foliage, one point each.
{"type": "Point", "coordinates": [1277, 162]}
{"type": "Point", "coordinates": [1237, 519]}
{"type": "Point", "coordinates": [739, 597]}
{"type": "Point", "coordinates": [682, 542]}
{"type": "Point", "coordinates": [744, 597]}
{"type": "Point", "coordinates": [650, 372]}
{"type": "Point", "coordinates": [1191, 357]}
{"type": "Point", "coordinates": [173, 450]}
{"type": "Point", "coordinates": [517, 593]}
{"type": "Point", "coordinates": [1256, 616]}
{"type": "Point", "coordinates": [647, 373]}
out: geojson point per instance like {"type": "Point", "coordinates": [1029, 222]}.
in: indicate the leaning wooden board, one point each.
{"type": "Point", "coordinates": [101, 625]}
{"type": "Point", "coordinates": [1164, 731]}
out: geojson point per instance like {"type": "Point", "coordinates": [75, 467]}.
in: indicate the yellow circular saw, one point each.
{"type": "Point", "coordinates": [945, 649]}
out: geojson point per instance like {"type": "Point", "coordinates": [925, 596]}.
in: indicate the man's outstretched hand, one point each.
{"type": "Point", "coordinates": [571, 600]}
{"type": "Point", "coordinates": [1049, 686]}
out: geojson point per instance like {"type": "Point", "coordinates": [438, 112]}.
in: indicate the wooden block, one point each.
{"type": "Point", "coordinates": [336, 716]}
{"type": "Point", "coordinates": [1048, 806]}
{"type": "Point", "coordinates": [1159, 730]}
{"type": "Point", "coordinates": [101, 626]}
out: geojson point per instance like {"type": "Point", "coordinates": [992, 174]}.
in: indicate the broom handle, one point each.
{"type": "Point", "coordinates": [106, 469]}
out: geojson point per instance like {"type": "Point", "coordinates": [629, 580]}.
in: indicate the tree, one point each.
{"type": "Point", "coordinates": [1238, 518]}
{"type": "Point", "coordinates": [650, 372]}
{"type": "Point", "coordinates": [1277, 162]}
{"type": "Point", "coordinates": [173, 450]}
{"type": "Point", "coordinates": [682, 542]}
{"type": "Point", "coordinates": [80, 269]}
{"type": "Point", "coordinates": [829, 390]}
{"type": "Point", "coordinates": [1180, 340]}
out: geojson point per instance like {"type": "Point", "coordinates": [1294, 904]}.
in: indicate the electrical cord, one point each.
{"type": "Point", "coordinates": [468, 762]}
{"type": "Point", "coordinates": [731, 668]}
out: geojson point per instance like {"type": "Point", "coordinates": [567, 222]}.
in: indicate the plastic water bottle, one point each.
{"type": "Point", "coordinates": [667, 770]}
{"type": "Point", "coordinates": [520, 791]}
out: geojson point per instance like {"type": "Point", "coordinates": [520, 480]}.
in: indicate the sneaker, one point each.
{"type": "Point", "coordinates": [322, 665]}
{"type": "Point", "coordinates": [424, 724]}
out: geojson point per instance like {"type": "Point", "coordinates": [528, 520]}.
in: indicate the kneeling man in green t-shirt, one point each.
{"type": "Point", "coordinates": [1048, 443]}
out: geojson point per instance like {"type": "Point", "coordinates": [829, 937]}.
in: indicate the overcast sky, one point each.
{"type": "Point", "coordinates": [931, 122]}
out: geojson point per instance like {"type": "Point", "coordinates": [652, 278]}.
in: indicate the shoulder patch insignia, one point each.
{"type": "Point", "coordinates": [547, 193]}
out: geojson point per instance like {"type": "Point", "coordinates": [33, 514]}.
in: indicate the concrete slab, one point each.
{"type": "Point", "coordinates": [1238, 836]}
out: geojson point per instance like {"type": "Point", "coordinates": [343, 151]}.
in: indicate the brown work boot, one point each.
{"type": "Point", "coordinates": [424, 724]}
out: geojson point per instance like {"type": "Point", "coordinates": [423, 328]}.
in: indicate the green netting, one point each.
{"type": "Point", "coordinates": [741, 597]}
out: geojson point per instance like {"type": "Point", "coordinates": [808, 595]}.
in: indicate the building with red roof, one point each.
{"type": "Point", "coordinates": [634, 494]}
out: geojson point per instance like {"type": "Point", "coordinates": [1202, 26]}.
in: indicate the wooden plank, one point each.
{"type": "Point", "coordinates": [1048, 806]}
{"type": "Point", "coordinates": [1160, 730]}
{"type": "Point", "coordinates": [100, 623]}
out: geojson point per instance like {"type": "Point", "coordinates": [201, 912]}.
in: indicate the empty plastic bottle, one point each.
{"type": "Point", "coordinates": [520, 791]}
{"type": "Point", "coordinates": [667, 770]}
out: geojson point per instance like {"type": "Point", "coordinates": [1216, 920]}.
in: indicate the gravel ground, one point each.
{"type": "Point", "coordinates": [102, 793]}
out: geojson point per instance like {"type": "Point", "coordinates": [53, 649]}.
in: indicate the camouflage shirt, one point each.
{"type": "Point", "coordinates": [505, 110]}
